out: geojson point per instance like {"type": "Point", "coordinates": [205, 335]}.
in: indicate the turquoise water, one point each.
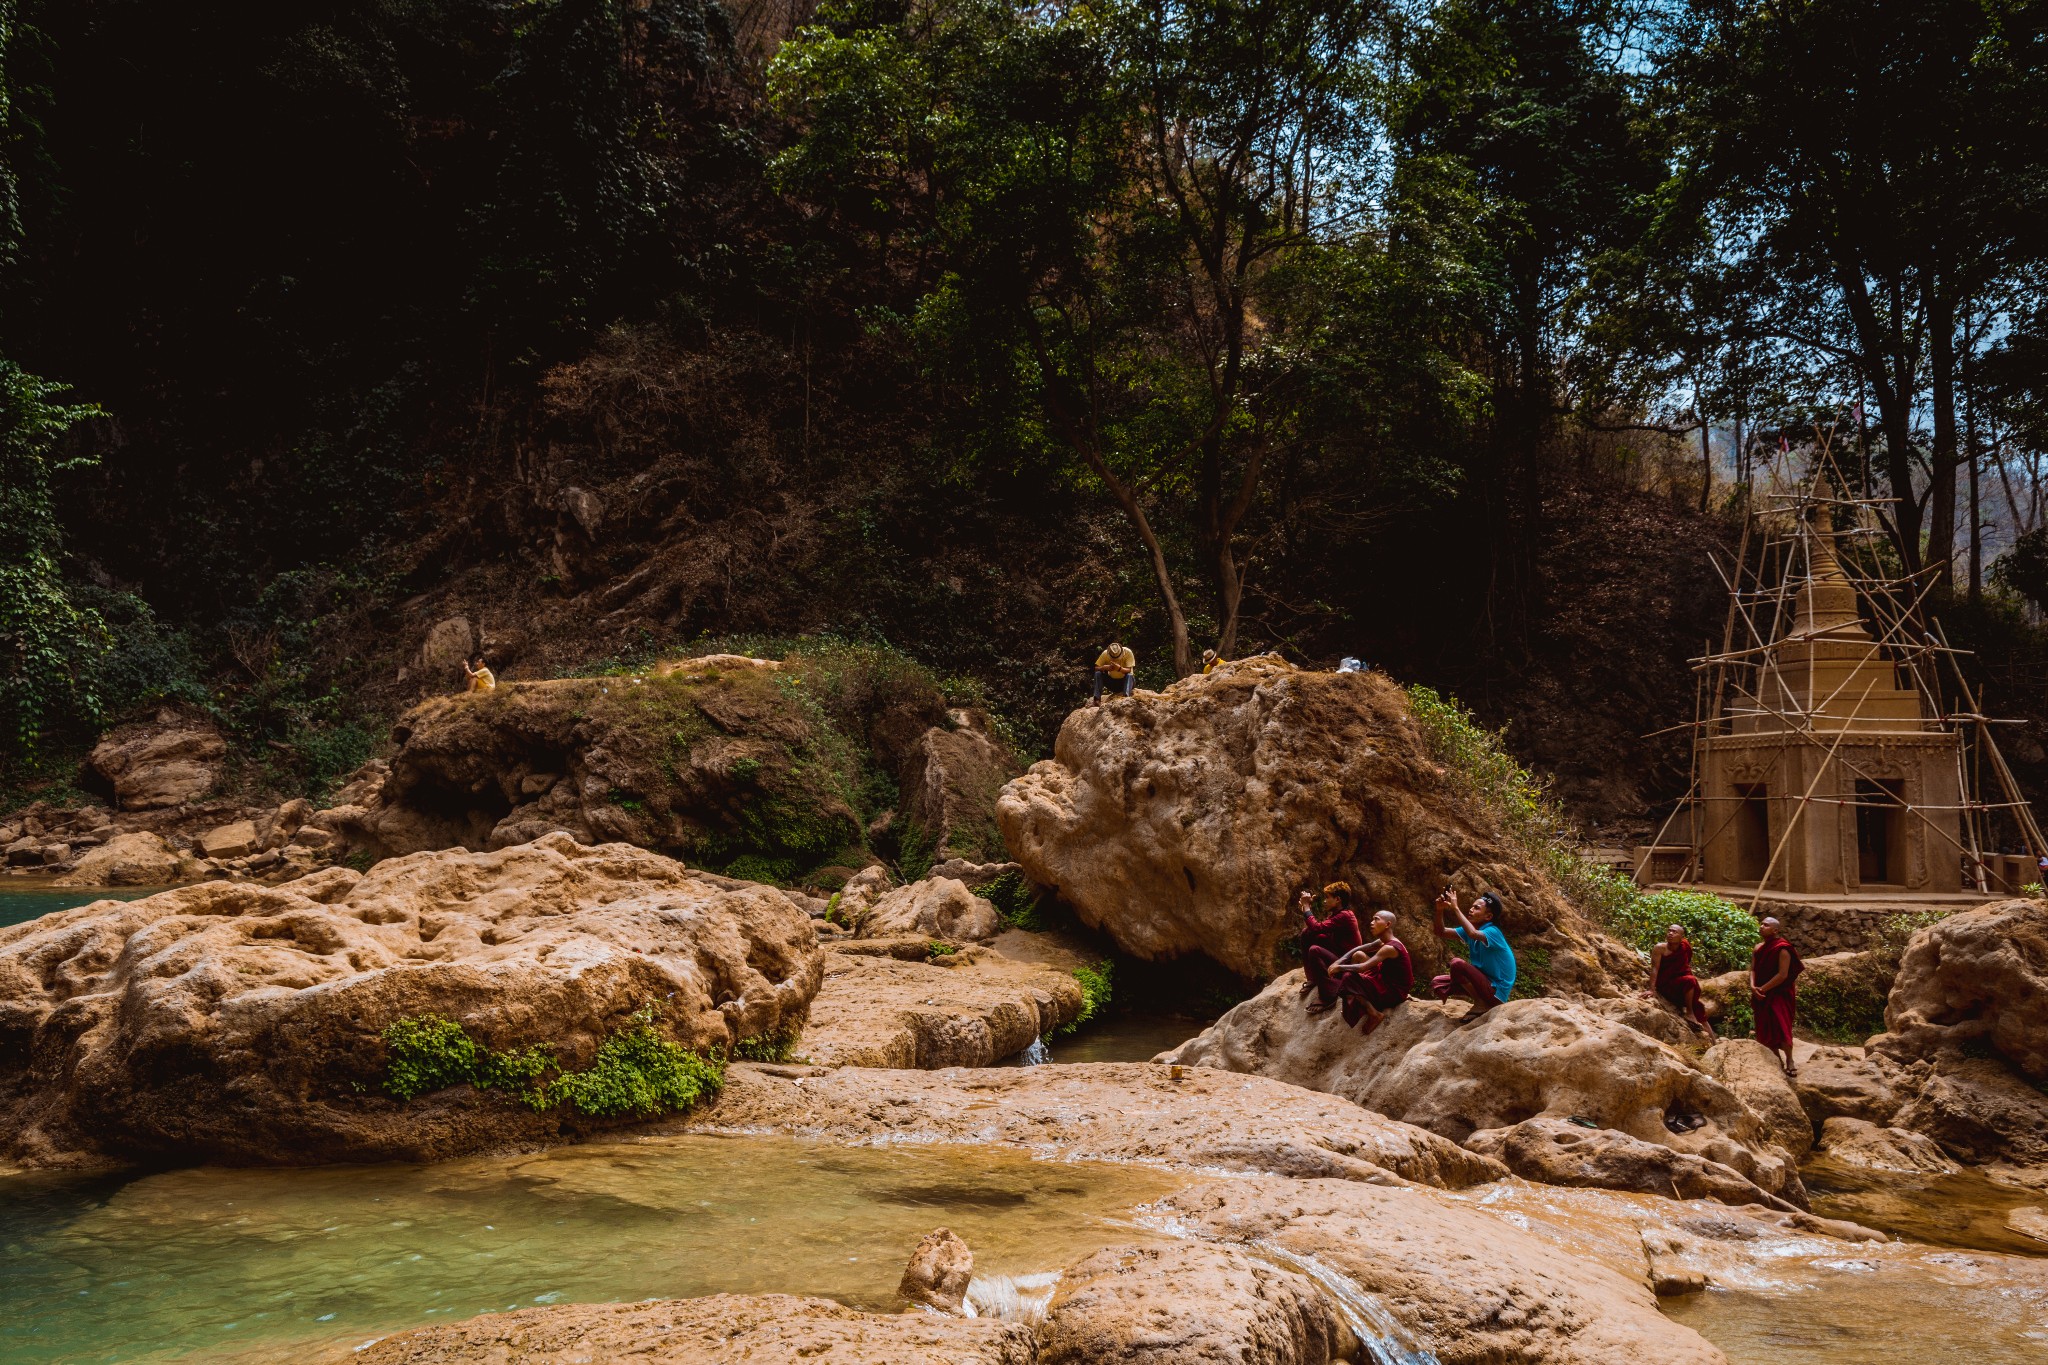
{"type": "Point", "coordinates": [291, 1264]}
{"type": "Point", "coordinates": [22, 900]}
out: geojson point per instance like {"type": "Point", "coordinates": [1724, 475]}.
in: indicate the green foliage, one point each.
{"type": "Point", "coordinates": [935, 949]}
{"type": "Point", "coordinates": [1722, 933]}
{"type": "Point", "coordinates": [1737, 1018]}
{"type": "Point", "coordinates": [917, 850]}
{"type": "Point", "coordinates": [428, 1053]}
{"type": "Point", "coordinates": [778, 1047]}
{"type": "Point", "coordinates": [1532, 974]}
{"type": "Point", "coordinates": [2023, 568]}
{"type": "Point", "coordinates": [51, 649]}
{"type": "Point", "coordinates": [1017, 901]}
{"type": "Point", "coordinates": [1847, 1010]}
{"type": "Point", "coordinates": [832, 915]}
{"type": "Point", "coordinates": [1095, 992]}
{"type": "Point", "coordinates": [639, 1072]}
{"type": "Point", "coordinates": [752, 867]}
{"type": "Point", "coordinates": [636, 1070]}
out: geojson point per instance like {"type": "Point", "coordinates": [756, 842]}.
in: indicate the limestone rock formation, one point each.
{"type": "Point", "coordinates": [1975, 978]}
{"type": "Point", "coordinates": [1467, 1287]}
{"type": "Point", "coordinates": [1432, 1065]}
{"type": "Point", "coordinates": [1186, 820]}
{"type": "Point", "coordinates": [1853, 1142]}
{"type": "Point", "coordinates": [937, 907]}
{"type": "Point", "coordinates": [1747, 1067]}
{"type": "Point", "coordinates": [939, 1271]}
{"type": "Point", "coordinates": [1100, 1111]}
{"type": "Point", "coordinates": [1189, 1304]}
{"type": "Point", "coordinates": [949, 780]}
{"type": "Point", "coordinates": [139, 858]}
{"type": "Point", "coordinates": [1978, 1109]}
{"type": "Point", "coordinates": [160, 763]}
{"type": "Point", "coordinates": [1560, 1152]}
{"type": "Point", "coordinates": [725, 1329]}
{"type": "Point", "coordinates": [970, 1008]}
{"type": "Point", "coordinates": [1847, 1082]}
{"type": "Point", "coordinates": [239, 1022]}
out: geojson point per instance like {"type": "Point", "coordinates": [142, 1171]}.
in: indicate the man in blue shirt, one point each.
{"type": "Point", "coordinates": [1490, 975]}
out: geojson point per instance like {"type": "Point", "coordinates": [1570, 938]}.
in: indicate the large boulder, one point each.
{"type": "Point", "coordinates": [937, 907]}
{"type": "Point", "coordinates": [950, 778]}
{"type": "Point", "coordinates": [1185, 821]}
{"type": "Point", "coordinates": [724, 1329]}
{"type": "Point", "coordinates": [724, 762]}
{"type": "Point", "coordinates": [1747, 1067]}
{"type": "Point", "coordinates": [1560, 1152]}
{"type": "Point", "coordinates": [246, 1023]}
{"type": "Point", "coordinates": [1191, 1304]}
{"type": "Point", "coordinates": [1978, 979]}
{"type": "Point", "coordinates": [1853, 1142]}
{"type": "Point", "coordinates": [1435, 1066]}
{"type": "Point", "coordinates": [970, 1008]}
{"type": "Point", "coordinates": [168, 761]}
{"type": "Point", "coordinates": [137, 858]}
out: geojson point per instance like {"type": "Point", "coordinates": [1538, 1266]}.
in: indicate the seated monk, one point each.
{"type": "Point", "coordinates": [1672, 979]}
{"type": "Point", "coordinates": [1375, 976]}
{"type": "Point", "coordinates": [1773, 973]}
{"type": "Point", "coordinates": [1489, 978]}
{"type": "Point", "coordinates": [1325, 940]}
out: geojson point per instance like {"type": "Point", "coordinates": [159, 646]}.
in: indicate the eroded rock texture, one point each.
{"type": "Point", "coordinates": [1185, 821]}
{"type": "Point", "coordinates": [242, 1022]}
{"type": "Point", "coordinates": [725, 1329]}
{"type": "Point", "coordinates": [1434, 1066]}
{"type": "Point", "coordinates": [1974, 980]}
{"type": "Point", "coordinates": [970, 1008]}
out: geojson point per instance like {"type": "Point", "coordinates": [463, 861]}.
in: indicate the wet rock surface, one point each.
{"type": "Point", "coordinates": [1192, 1304]}
{"type": "Point", "coordinates": [726, 1329]}
{"type": "Point", "coordinates": [1184, 821]}
{"type": "Point", "coordinates": [1107, 1111]}
{"type": "Point", "coordinates": [1438, 1067]}
{"type": "Point", "coordinates": [239, 1022]}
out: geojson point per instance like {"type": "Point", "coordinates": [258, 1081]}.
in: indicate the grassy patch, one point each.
{"type": "Point", "coordinates": [773, 1047]}
{"type": "Point", "coordinates": [1532, 974]}
{"type": "Point", "coordinates": [1722, 933]}
{"type": "Point", "coordinates": [1017, 901]}
{"type": "Point", "coordinates": [934, 950]}
{"type": "Point", "coordinates": [636, 1070]}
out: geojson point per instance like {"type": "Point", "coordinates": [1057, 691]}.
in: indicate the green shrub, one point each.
{"type": "Point", "coordinates": [774, 1047]}
{"type": "Point", "coordinates": [637, 1071]}
{"type": "Point", "coordinates": [1722, 932]}
{"type": "Point", "coordinates": [934, 950]}
{"type": "Point", "coordinates": [1017, 901]}
{"type": "Point", "coordinates": [427, 1053]}
{"type": "Point", "coordinates": [1095, 992]}
{"type": "Point", "coordinates": [753, 867]}
{"type": "Point", "coordinates": [1737, 1018]}
{"type": "Point", "coordinates": [1847, 1011]}
{"type": "Point", "coordinates": [1532, 974]}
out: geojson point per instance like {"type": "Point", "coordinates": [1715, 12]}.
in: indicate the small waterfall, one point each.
{"type": "Point", "coordinates": [1038, 1054]}
{"type": "Point", "coordinates": [1385, 1340]}
{"type": "Point", "coordinates": [1011, 1298]}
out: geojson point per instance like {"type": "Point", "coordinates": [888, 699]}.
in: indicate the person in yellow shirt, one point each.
{"type": "Point", "coordinates": [1119, 665]}
{"type": "Point", "coordinates": [481, 679]}
{"type": "Point", "coordinates": [1211, 661]}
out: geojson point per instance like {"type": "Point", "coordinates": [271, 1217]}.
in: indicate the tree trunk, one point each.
{"type": "Point", "coordinates": [1941, 491]}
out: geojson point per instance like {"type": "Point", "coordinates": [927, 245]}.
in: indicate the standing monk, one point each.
{"type": "Point", "coordinates": [1671, 978]}
{"type": "Point", "coordinates": [1774, 970]}
{"type": "Point", "coordinates": [1376, 976]}
{"type": "Point", "coordinates": [1490, 976]}
{"type": "Point", "coordinates": [1325, 940]}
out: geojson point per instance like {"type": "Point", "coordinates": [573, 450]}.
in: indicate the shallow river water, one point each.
{"type": "Point", "coordinates": [24, 898]}
{"type": "Point", "coordinates": [207, 1261]}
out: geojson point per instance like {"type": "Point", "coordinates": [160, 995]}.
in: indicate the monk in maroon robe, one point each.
{"type": "Point", "coordinates": [1374, 977]}
{"type": "Point", "coordinates": [1672, 979]}
{"type": "Point", "coordinates": [1325, 940]}
{"type": "Point", "coordinates": [1773, 975]}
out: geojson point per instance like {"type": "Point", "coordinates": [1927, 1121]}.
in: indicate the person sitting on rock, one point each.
{"type": "Point", "coordinates": [481, 679]}
{"type": "Point", "coordinates": [1325, 940]}
{"type": "Point", "coordinates": [1374, 977]}
{"type": "Point", "coordinates": [1672, 979]}
{"type": "Point", "coordinates": [1774, 969]}
{"type": "Point", "coordinates": [1119, 665]}
{"type": "Point", "coordinates": [1489, 977]}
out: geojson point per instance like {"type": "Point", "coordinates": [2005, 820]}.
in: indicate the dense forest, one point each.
{"type": "Point", "coordinates": [1452, 336]}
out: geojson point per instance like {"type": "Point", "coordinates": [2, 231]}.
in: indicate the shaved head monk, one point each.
{"type": "Point", "coordinates": [1773, 991]}
{"type": "Point", "coordinates": [1375, 976]}
{"type": "Point", "coordinates": [1325, 940]}
{"type": "Point", "coordinates": [1672, 978]}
